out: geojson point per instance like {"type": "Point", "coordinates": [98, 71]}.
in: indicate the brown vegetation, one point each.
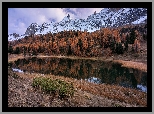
{"type": "Point", "coordinates": [21, 93]}
{"type": "Point", "coordinates": [125, 45]}
{"type": "Point", "coordinates": [105, 41]}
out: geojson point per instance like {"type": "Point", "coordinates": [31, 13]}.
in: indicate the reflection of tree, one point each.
{"type": "Point", "coordinates": [88, 70]}
{"type": "Point", "coordinates": [127, 74]}
{"type": "Point", "coordinates": [82, 69]}
{"type": "Point", "coordinates": [144, 79]}
{"type": "Point", "coordinates": [112, 75]}
{"type": "Point", "coordinates": [69, 63]}
{"type": "Point", "coordinates": [134, 81]}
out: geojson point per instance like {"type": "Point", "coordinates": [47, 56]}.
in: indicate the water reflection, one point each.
{"type": "Point", "coordinates": [90, 70]}
{"type": "Point", "coordinates": [16, 70]}
{"type": "Point", "coordinates": [142, 88]}
{"type": "Point", "coordinates": [94, 80]}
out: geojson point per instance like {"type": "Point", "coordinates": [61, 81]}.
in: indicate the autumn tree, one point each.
{"type": "Point", "coordinates": [126, 43]}
{"type": "Point", "coordinates": [80, 43]}
{"type": "Point", "coordinates": [132, 38]}
{"type": "Point", "coordinates": [136, 45]}
{"type": "Point", "coordinates": [106, 36]}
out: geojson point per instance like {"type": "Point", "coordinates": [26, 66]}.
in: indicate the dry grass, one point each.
{"type": "Point", "coordinates": [14, 57]}
{"type": "Point", "coordinates": [87, 94]}
{"type": "Point", "coordinates": [112, 92]}
{"type": "Point", "coordinates": [131, 64]}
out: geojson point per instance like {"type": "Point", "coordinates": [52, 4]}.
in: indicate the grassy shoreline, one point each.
{"type": "Point", "coordinates": [129, 64]}
{"type": "Point", "coordinates": [21, 93]}
{"type": "Point", "coordinates": [86, 93]}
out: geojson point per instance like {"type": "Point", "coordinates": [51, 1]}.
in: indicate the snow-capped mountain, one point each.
{"type": "Point", "coordinates": [107, 17]}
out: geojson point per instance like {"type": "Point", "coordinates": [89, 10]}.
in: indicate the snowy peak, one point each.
{"type": "Point", "coordinates": [32, 29]}
{"type": "Point", "coordinates": [66, 19]}
{"type": "Point", "coordinates": [107, 17]}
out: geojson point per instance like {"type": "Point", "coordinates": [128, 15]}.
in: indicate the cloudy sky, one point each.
{"type": "Point", "coordinates": [20, 18]}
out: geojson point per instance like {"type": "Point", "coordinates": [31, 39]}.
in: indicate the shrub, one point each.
{"type": "Point", "coordinates": [48, 85]}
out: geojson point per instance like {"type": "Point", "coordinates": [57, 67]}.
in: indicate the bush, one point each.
{"type": "Point", "coordinates": [48, 85]}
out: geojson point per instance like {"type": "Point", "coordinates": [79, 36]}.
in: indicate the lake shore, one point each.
{"type": "Point", "coordinates": [21, 93]}
{"type": "Point", "coordinates": [134, 63]}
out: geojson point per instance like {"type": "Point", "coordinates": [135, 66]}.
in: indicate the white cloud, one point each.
{"type": "Point", "coordinates": [55, 13]}
{"type": "Point", "coordinates": [83, 13]}
{"type": "Point", "coordinates": [20, 18]}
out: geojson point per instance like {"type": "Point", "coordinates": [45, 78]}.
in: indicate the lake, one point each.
{"type": "Point", "coordinates": [94, 71]}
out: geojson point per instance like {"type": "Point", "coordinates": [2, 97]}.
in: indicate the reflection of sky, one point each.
{"type": "Point", "coordinates": [143, 88]}
{"type": "Point", "coordinates": [94, 80]}
{"type": "Point", "coordinates": [128, 82]}
{"type": "Point", "coordinates": [17, 70]}
{"type": "Point", "coordinates": [98, 81]}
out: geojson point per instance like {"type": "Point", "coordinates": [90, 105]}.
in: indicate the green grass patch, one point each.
{"type": "Point", "coordinates": [117, 105]}
{"type": "Point", "coordinates": [48, 85]}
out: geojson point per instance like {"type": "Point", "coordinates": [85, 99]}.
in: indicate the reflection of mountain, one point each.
{"type": "Point", "coordinates": [83, 69]}
{"type": "Point", "coordinates": [94, 80]}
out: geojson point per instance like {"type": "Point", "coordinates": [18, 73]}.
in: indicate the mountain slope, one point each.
{"type": "Point", "coordinates": [107, 17]}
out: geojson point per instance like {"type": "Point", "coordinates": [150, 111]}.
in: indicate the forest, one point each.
{"type": "Point", "coordinates": [103, 42]}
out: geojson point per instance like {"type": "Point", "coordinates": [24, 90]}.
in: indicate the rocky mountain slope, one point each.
{"type": "Point", "coordinates": [107, 17]}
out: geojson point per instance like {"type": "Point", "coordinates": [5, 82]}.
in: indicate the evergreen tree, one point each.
{"type": "Point", "coordinates": [144, 36]}
{"type": "Point", "coordinates": [17, 51]}
{"type": "Point", "coordinates": [80, 44]}
{"type": "Point", "coordinates": [69, 50]}
{"type": "Point", "coordinates": [10, 50]}
{"type": "Point", "coordinates": [119, 48]}
{"type": "Point", "coordinates": [112, 46]}
{"type": "Point", "coordinates": [126, 45]}
{"type": "Point", "coordinates": [132, 37]}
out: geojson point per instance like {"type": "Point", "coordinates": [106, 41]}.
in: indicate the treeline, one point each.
{"type": "Point", "coordinates": [78, 43]}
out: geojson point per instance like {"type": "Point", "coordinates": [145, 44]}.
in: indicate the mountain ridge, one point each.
{"type": "Point", "coordinates": [107, 17]}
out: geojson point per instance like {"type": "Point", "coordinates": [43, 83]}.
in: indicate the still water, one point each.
{"type": "Point", "coordinates": [94, 71]}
